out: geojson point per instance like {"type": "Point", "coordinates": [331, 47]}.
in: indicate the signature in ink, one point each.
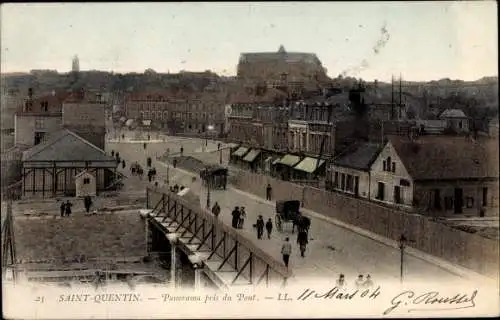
{"type": "Point", "coordinates": [431, 301]}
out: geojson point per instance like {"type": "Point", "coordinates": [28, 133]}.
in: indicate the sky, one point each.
{"type": "Point", "coordinates": [370, 40]}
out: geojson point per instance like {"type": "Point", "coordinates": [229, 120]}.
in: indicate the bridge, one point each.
{"type": "Point", "coordinates": [215, 249]}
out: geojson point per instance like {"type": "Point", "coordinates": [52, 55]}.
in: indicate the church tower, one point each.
{"type": "Point", "coordinates": [75, 67]}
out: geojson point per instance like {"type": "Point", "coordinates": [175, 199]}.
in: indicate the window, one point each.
{"type": "Point", "coordinates": [39, 137]}
{"type": "Point", "coordinates": [342, 181]}
{"type": "Point", "coordinates": [336, 179]}
{"type": "Point", "coordinates": [349, 183]}
{"type": "Point", "coordinates": [384, 165]}
{"type": "Point", "coordinates": [393, 169]}
{"type": "Point", "coordinates": [397, 194]}
{"type": "Point", "coordinates": [388, 164]}
{"type": "Point", "coordinates": [485, 197]}
{"type": "Point", "coordinates": [86, 180]}
{"type": "Point", "coordinates": [380, 191]}
{"type": "Point", "coordinates": [39, 123]}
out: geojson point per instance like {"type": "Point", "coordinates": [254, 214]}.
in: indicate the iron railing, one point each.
{"type": "Point", "coordinates": [225, 245]}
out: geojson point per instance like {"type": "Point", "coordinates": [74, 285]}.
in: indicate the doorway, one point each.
{"type": "Point", "coordinates": [458, 201]}
{"type": "Point", "coordinates": [356, 186]}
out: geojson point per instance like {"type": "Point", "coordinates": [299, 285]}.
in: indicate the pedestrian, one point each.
{"type": "Point", "coordinates": [243, 215]}
{"type": "Point", "coordinates": [236, 217]}
{"type": "Point", "coordinates": [67, 208]}
{"type": "Point", "coordinates": [286, 251]}
{"type": "Point", "coordinates": [216, 209]}
{"type": "Point", "coordinates": [360, 281]}
{"type": "Point", "coordinates": [63, 208]}
{"type": "Point", "coordinates": [123, 164]}
{"type": "Point", "coordinates": [269, 228]}
{"type": "Point", "coordinates": [269, 191]}
{"type": "Point", "coordinates": [112, 153]}
{"type": "Point", "coordinates": [149, 137]}
{"type": "Point", "coordinates": [302, 242]}
{"type": "Point", "coordinates": [341, 281]}
{"type": "Point", "coordinates": [88, 203]}
{"type": "Point", "coordinates": [368, 282]}
{"type": "Point", "coordinates": [144, 145]}
{"type": "Point", "coordinates": [140, 172]}
{"type": "Point", "coordinates": [150, 175]}
{"type": "Point", "coordinates": [260, 227]}
{"type": "Point", "coordinates": [117, 155]}
{"type": "Point", "coordinates": [182, 150]}
{"type": "Point", "coordinates": [132, 169]}
{"type": "Point", "coordinates": [154, 172]}
{"type": "Point", "coordinates": [123, 136]}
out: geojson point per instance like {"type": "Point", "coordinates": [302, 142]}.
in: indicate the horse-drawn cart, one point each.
{"type": "Point", "coordinates": [215, 176]}
{"type": "Point", "coordinates": [289, 211]}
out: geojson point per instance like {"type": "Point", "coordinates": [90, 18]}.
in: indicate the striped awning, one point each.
{"type": "Point", "coordinates": [240, 152]}
{"type": "Point", "coordinates": [309, 165]}
{"type": "Point", "coordinates": [146, 122]}
{"type": "Point", "coordinates": [289, 160]}
{"type": "Point", "coordinates": [250, 157]}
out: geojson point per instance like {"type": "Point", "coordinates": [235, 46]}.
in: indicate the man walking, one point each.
{"type": "Point", "coordinates": [302, 241]}
{"type": "Point", "coordinates": [236, 217]}
{"type": "Point", "coordinates": [269, 227]}
{"type": "Point", "coordinates": [243, 215]}
{"type": "Point", "coordinates": [87, 201]}
{"type": "Point", "coordinates": [286, 251]}
{"type": "Point", "coordinates": [269, 191]}
{"type": "Point", "coordinates": [216, 209]}
{"type": "Point", "coordinates": [63, 208]}
{"type": "Point", "coordinates": [67, 208]}
{"type": "Point", "coordinates": [260, 227]}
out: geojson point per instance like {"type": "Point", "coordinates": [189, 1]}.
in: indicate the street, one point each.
{"type": "Point", "coordinates": [332, 250]}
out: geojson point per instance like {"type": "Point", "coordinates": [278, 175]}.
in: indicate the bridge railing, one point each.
{"type": "Point", "coordinates": [233, 250]}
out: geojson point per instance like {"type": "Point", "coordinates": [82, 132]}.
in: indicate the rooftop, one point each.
{"type": "Point", "coordinates": [452, 113]}
{"type": "Point", "coordinates": [445, 157]}
{"type": "Point", "coordinates": [361, 158]}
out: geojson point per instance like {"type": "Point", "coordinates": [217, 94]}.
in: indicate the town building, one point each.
{"type": "Point", "coordinates": [270, 67]}
{"type": "Point", "coordinates": [441, 175]}
{"type": "Point", "coordinates": [84, 113]}
{"type": "Point", "coordinates": [37, 117]}
{"type": "Point", "coordinates": [52, 168]}
{"type": "Point", "coordinates": [456, 120]}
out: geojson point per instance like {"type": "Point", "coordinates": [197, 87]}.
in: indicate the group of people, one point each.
{"type": "Point", "coordinates": [360, 283]}
{"type": "Point", "coordinates": [66, 208]}
{"type": "Point", "coordinates": [239, 216]}
{"type": "Point", "coordinates": [136, 169]}
{"type": "Point", "coordinates": [118, 159]}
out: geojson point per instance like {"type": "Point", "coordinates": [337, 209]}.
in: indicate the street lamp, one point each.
{"type": "Point", "coordinates": [402, 245]}
{"type": "Point", "coordinates": [209, 180]}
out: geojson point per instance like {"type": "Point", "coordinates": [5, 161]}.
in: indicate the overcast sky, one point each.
{"type": "Point", "coordinates": [422, 41]}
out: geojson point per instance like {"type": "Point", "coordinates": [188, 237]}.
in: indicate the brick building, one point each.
{"type": "Point", "coordinates": [84, 113]}
{"type": "Point", "coordinates": [179, 112]}
{"type": "Point", "coordinates": [271, 66]}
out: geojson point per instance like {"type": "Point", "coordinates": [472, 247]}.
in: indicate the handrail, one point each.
{"type": "Point", "coordinates": [205, 214]}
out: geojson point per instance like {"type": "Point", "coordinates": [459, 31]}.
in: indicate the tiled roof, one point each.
{"type": "Point", "coordinates": [361, 158]}
{"type": "Point", "coordinates": [110, 235]}
{"type": "Point", "coordinates": [65, 145]}
{"type": "Point", "coordinates": [445, 157]}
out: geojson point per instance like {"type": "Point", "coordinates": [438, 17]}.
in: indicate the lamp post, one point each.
{"type": "Point", "coordinates": [402, 245]}
{"type": "Point", "coordinates": [197, 264]}
{"type": "Point", "coordinates": [173, 237]}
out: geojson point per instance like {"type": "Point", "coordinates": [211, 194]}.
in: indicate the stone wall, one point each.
{"type": "Point", "coordinates": [465, 249]}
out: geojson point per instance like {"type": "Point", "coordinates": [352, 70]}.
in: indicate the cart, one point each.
{"type": "Point", "coordinates": [286, 211]}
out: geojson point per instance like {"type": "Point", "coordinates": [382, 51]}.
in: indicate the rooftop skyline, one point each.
{"type": "Point", "coordinates": [371, 40]}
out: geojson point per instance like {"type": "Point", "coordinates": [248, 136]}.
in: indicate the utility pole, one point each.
{"type": "Point", "coordinates": [402, 245]}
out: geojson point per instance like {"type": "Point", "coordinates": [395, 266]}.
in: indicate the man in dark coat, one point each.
{"type": "Point", "coordinates": [260, 227]}
{"type": "Point", "coordinates": [302, 241]}
{"type": "Point", "coordinates": [63, 208]}
{"type": "Point", "coordinates": [67, 208]}
{"type": "Point", "coordinates": [216, 209]}
{"type": "Point", "coordinates": [269, 228]}
{"type": "Point", "coordinates": [269, 191]}
{"type": "Point", "coordinates": [236, 217]}
{"type": "Point", "coordinates": [87, 201]}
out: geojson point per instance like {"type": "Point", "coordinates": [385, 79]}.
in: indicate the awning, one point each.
{"type": "Point", "coordinates": [289, 160]}
{"type": "Point", "coordinates": [250, 157]}
{"type": "Point", "coordinates": [232, 145]}
{"type": "Point", "coordinates": [240, 152]}
{"type": "Point", "coordinates": [309, 164]}
{"type": "Point", "coordinates": [146, 122]}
